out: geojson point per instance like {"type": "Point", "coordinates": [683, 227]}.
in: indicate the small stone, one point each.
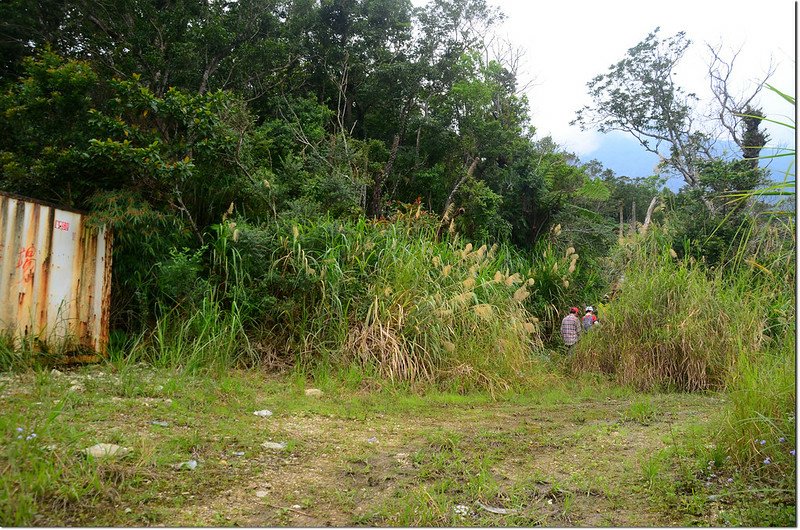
{"type": "Point", "coordinates": [160, 423]}
{"type": "Point", "coordinates": [714, 497]}
{"type": "Point", "coordinates": [189, 464]}
{"type": "Point", "coordinates": [297, 506]}
{"type": "Point", "coordinates": [274, 445]}
{"type": "Point", "coordinates": [56, 372]}
{"type": "Point", "coordinates": [128, 510]}
{"type": "Point", "coordinates": [263, 413]}
{"type": "Point", "coordinates": [316, 392]}
{"type": "Point", "coordinates": [102, 450]}
{"type": "Point", "coordinates": [238, 453]}
{"type": "Point", "coordinates": [261, 494]}
{"type": "Point", "coordinates": [372, 440]}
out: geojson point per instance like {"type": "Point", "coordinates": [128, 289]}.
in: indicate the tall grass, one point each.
{"type": "Point", "coordinates": [391, 298]}
{"type": "Point", "coordinates": [387, 296]}
{"type": "Point", "coordinates": [209, 336]}
{"type": "Point", "coordinates": [674, 324]}
{"type": "Point", "coordinates": [201, 324]}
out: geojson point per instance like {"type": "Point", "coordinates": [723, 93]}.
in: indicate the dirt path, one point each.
{"type": "Point", "coordinates": [557, 465]}
{"type": "Point", "coordinates": [577, 457]}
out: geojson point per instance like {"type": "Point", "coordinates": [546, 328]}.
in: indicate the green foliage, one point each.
{"type": "Point", "coordinates": [114, 135]}
{"type": "Point", "coordinates": [706, 221]}
{"type": "Point", "coordinates": [481, 220]}
{"type": "Point", "coordinates": [206, 335]}
{"type": "Point", "coordinates": [179, 277]}
{"type": "Point", "coordinates": [759, 424]}
{"type": "Point", "coordinates": [762, 407]}
{"type": "Point", "coordinates": [35, 157]}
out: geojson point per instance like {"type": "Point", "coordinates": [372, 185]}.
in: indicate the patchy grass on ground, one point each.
{"type": "Point", "coordinates": [578, 453]}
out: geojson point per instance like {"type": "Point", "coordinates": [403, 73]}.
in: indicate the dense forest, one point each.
{"type": "Point", "coordinates": [315, 185]}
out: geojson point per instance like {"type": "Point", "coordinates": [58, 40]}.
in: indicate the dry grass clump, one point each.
{"type": "Point", "coordinates": [381, 344]}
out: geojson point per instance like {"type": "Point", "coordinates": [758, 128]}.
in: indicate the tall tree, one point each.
{"type": "Point", "coordinates": [737, 112]}
{"type": "Point", "coordinates": [192, 44]}
{"type": "Point", "coordinates": [639, 96]}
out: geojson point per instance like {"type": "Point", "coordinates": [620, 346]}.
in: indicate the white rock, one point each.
{"type": "Point", "coordinates": [189, 464]}
{"type": "Point", "coordinates": [316, 392]}
{"type": "Point", "coordinates": [261, 494]}
{"type": "Point", "coordinates": [103, 450]}
{"type": "Point", "coordinates": [273, 445]}
{"type": "Point", "coordinates": [263, 413]}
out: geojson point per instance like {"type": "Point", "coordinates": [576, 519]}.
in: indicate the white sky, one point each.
{"type": "Point", "coordinates": [569, 42]}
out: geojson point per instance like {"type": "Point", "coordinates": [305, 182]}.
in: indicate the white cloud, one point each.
{"type": "Point", "coordinates": [567, 43]}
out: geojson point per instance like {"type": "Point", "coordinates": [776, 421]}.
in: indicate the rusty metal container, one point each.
{"type": "Point", "coordinates": [55, 278]}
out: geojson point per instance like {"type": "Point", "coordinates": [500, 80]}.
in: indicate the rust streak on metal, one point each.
{"type": "Point", "coordinates": [105, 302]}
{"type": "Point", "coordinates": [55, 278]}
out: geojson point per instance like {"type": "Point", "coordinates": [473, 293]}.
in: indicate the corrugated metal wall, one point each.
{"type": "Point", "coordinates": [55, 276]}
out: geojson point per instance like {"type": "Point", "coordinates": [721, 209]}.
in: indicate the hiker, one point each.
{"type": "Point", "coordinates": [589, 318]}
{"type": "Point", "coordinates": [571, 329]}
